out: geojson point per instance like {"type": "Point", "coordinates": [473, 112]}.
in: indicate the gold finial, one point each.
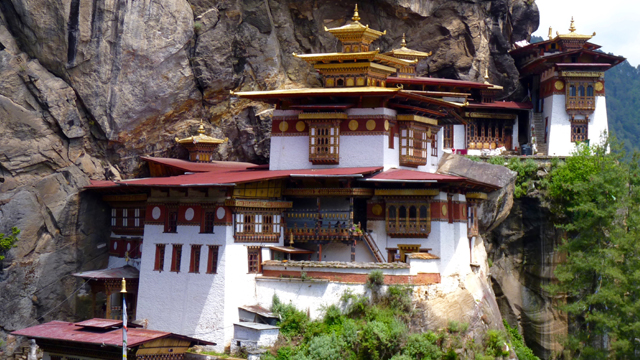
{"type": "Point", "coordinates": [404, 41]}
{"type": "Point", "coordinates": [356, 17]}
{"type": "Point", "coordinates": [550, 33]}
{"type": "Point", "coordinates": [201, 128]}
{"type": "Point", "coordinates": [124, 286]}
{"type": "Point", "coordinates": [572, 28]}
{"type": "Point", "coordinates": [486, 75]}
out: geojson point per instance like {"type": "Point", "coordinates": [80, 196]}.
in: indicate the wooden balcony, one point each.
{"type": "Point", "coordinates": [409, 227]}
{"type": "Point", "coordinates": [581, 103]}
{"type": "Point", "coordinates": [409, 160]}
{"type": "Point", "coordinates": [320, 233]}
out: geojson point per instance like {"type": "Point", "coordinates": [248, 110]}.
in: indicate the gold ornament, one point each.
{"type": "Point", "coordinates": [300, 126]}
{"type": "Point", "coordinates": [559, 85]}
{"type": "Point", "coordinates": [353, 125]}
{"type": "Point", "coordinates": [371, 124]}
{"type": "Point", "coordinates": [444, 210]}
{"type": "Point", "coordinates": [599, 86]}
{"type": "Point", "coordinates": [386, 125]}
{"type": "Point", "coordinates": [376, 209]}
{"type": "Point", "coordinates": [283, 126]}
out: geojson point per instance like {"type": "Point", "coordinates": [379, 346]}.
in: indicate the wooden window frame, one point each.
{"type": "Point", "coordinates": [447, 136]}
{"type": "Point", "coordinates": [194, 263]}
{"type": "Point", "coordinates": [472, 219]}
{"type": "Point", "coordinates": [159, 261]}
{"type": "Point", "coordinates": [212, 259]}
{"type": "Point", "coordinates": [171, 221]}
{"type": "Point", "coordinates": [254, 255]}
{"type": "Point", "coordinates": [579, 131]}
{"type": "Point", "coordinates": [392, 136]}
{"type": "Point", "coordinates": [324, 142]}
{"type": "Point", "coordinates": [176, 257]}
{"type": "Point", "coordinates": [414, 144]}
{"type": "Point", "coordinates": [577, 95]}
{"type": "Point", "coordinates": [402, 224]}
{"type": "Point", "coordinates": [434, 144]}
{"type": "Point", "coordinates": [252, 226]}
{"type": "Point", "coordinates": [208, 220]}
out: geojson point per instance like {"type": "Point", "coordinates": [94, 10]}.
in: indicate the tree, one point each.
{"type": "Point", "coordinates": [596, 197]}
{"type": "Point", "coordinates": [8, 242]}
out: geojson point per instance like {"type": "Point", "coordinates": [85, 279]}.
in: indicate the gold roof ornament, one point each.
{"type": "Point", "coordinates": [550, 33]}
{"type": "Point", "coordinates": [408, 54]}
{"type": "Point", "coordinates": [486, 81]}
{"type": "Point", "coordinates": [201, 138]}
{"type": "Point", "coordinates": [355, 31]}
{"type": "Point", "coordinates": [572, 35]}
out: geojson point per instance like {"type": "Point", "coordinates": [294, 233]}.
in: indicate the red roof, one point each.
{"type": "Point", "coordinates": [97, 184]}
{"type": "Point", "coordinates": [199, 167]}
{"type": "Point", "coordinates": [413, 175]}
{"type": "Point", "coordinates": [66, 331]}
{"type": "Point", "coordinates": [437, 82]}
{"type": "Point", "coordinates": [100, 323]}
{"type": "Point", "coordinates": [503, 105]}
{"type": "Point", "coordinates": [579, 65]}
{"type": "Point", "coordinates": [225, 178]}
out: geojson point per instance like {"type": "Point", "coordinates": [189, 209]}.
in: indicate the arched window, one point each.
{"type": "Point", "coordinates": [589, 90]}
{"type": "Point", "coordinates": [572, 90]}
{"type": "Point", "coordinates": [412, 212]}
{"type": "Point", "coordinates": [423, 212]}
{"type": "Point", "coordinates": [581, 91]}
{"type": "Point", "coordinates": [402, 212]}
{"type": "Point", "coordinates": [340, 82]}
{"type": "Point", "coordinates": [392, 212]}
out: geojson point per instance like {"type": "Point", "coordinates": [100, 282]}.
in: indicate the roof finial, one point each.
{"type": "Point", "coordinates": [550, 33]}
{"type": "Point", "coordinates": [201, 128]}
{"type": "Point", "coordinates": [572, 28]}
{"type": "Point", "coordinates": [486, 75]}
{"type": "Point", "coordinates": [404, 41]}
{"type": "Point", "coordinates": [356, 17]}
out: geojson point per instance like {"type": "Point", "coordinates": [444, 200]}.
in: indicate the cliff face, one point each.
{"type": "Point", "coordinates": [88, 86]}
{"type": "Point", "coordinates": [523, 252]}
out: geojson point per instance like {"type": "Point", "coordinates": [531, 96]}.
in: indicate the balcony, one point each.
{"type": "Point", "coordinates": [581, 103]}
{"type": "Point", "coordinates": [409, 227]}
{"type": "Point", "coordinates": [323, 225]}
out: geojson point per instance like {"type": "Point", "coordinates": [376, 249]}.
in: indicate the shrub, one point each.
{"type": "Point", "coordinates": [375, 279]}
{"type": "Point", "coordinates": [423, 346]}
{"type": "Point", "coordinates": [496, 343]}
{"type": "Point", "coordinates": [325, 347]}
{"type": "Point", "coordinates": [398, 297]}
{"type": "Point", "coordinates": [292, 321]}
{"type": "Point", "coordinates": [521, 349]}
{"type": "Point", "coordinates": [496, 160]}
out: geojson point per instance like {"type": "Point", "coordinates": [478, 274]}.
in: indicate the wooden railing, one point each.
{"type": "Point", "coordinates": [373, 247]}
{"type": "Point", "coordinates": [581, 103]}
{"type": "Point", "coordinates": [408, 160]}
{"type": "Point", "coordinates": [409, 226]}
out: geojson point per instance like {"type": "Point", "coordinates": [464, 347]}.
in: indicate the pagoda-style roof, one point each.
{"type": "Point", "coordinates": [405, 53]}
{"type": "Point", "coordinates": [348, 91]}
{"type": "Point", "coordinates": [201, 138]}
{"type": "Point", "coordinates": [572, 35]}
{"type": "Point", "coordinates": [355, 31]}
{"type": "Point", "coordinates": [351, 59]}
{"type": "Point", "coordinates": [540, 64]}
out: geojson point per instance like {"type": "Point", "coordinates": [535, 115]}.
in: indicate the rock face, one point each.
{"type": "Point", "coordinates": [523, 252]}
{"type": "Point", "coordinates": [88, 86]}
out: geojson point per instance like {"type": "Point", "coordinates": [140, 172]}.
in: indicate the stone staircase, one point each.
{"type": "Point", "coordinates": [538, 123]}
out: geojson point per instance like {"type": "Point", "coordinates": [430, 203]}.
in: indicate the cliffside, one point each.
{"type": "Point", "coordinates": [88, 86]}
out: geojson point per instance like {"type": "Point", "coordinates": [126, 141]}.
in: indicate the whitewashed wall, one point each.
{"type": "Point", "coordinates": [459, 137]}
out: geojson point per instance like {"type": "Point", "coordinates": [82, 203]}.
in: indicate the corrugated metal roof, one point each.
{"type": "Point", "coordinates": [503, 105]}
{"type": "Point", "coordinates": [199, 167]}
{"type": "Point", "coordinates": [256, 326]}
{"type": "Point", "coordinates": [291, 250]}
{"type": "Point", "coordinates": [437, 82]}
{"type": "Point", "coordinates": [100, 323]}
{"type": "Point", "coordinates": [257, 309]}
{"type": "Point", "coordinates": [127, 272]}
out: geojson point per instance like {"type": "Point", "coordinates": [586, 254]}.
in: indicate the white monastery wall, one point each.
{"type": "Point", "coordinates": [289, 152]}
{"type": "Point", "coordinates": [116, 262]}
{"type": "Point", "coordinates": [560, 126]}
{"type": "Point", "coordinates": [424, 266]}
{"type": "Point", "coordinates": [514, 136]}
{"type": "Point", "coordinates": [185, 303]}
{"type": "Point", "coordinates": [338, 251]}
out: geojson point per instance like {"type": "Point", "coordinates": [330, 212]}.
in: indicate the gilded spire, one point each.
{"type": "Point", "coordinates": [572, 28]}
{"type": "Point", "coordinates": [550, 33]}
{"type": "Point", "coordinates": [404, 41]}
{"type": "Point", "coordinates": [201, 128]}
{"type": "Point", "coordinates": [486, 75]}
{"type": "Point", "coordinates": [356, 17]}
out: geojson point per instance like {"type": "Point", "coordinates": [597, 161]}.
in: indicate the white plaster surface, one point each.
{"type": "Point", "coordinates": [424, 266]}
{"type": "Point", "coordinates": [459, 137]}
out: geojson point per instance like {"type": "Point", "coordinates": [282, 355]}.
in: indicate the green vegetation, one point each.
{"type": "Point", "coordinates": [595, 198]}
{"type": "Point", "coordinates": [521, 349]}
{"type": "Point", "coordinates": [7, 242]}
{"type": "Point", "coordinates": [376, 327]}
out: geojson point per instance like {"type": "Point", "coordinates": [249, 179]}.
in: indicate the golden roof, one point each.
{"type": "Point", "coordinates": [404, 51]}
{"type": "Point", "coordinates": [344, 57]}
{"type": "Point", "coordinates": [572, 35]}
{"type": "Point", "coordinates": [201, 138]}
{"type": "Point", "coordinates": [355, 30]}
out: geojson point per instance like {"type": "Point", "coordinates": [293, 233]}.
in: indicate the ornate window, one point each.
{"type": "Point", "coordinates": [580, 95]}
{"type": "Point", "coordinates": [447, 136]}
{"type": "Point", "coordinates": [472, 219]}
{"type": "Point", "coordinates": [324, 142]}
{"type": "Point", "coordinates": [257, 227]}
{"type": "Point", "coordinates": [254, 259]}
{"type": "Point", "coordinates": [434, 144]}
{"type": "Point", "coordinates": [413, 145]}
{"type": "Point", "coordinates": [159, 263]}
{"type": "Point", "coordinates": [579, 131]}
{"type": "Point", "coordinates": [194, 264]}
{"type": "Point", "coordinates": [176, 257]}
{"type": "Point", "coordinates": [408, 219]}
{"type": "Point", "coordinates": [212, 263]}
{"type": "Point", "coordinates": [487, 134]}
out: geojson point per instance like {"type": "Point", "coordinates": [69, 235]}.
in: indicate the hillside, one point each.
{"type": "Point", "coordinates": [623, 104]}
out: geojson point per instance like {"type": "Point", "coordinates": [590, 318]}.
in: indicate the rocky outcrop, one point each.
{"type": "Point", "coordinates": [88, 86]}
{"type": "Point", "coordinates": [522, 249]}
